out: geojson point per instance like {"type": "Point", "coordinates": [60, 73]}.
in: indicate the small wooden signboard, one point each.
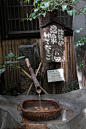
{"type": "Point", "coordinates": [53, 43]}
{"type": "Point", "coordinates": [55, 75]}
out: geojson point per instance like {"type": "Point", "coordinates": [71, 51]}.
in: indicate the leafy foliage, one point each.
{"type": "Point", "coordinates": [41, 7]}
{"type": "Point", "coordinates": [81, 63]}
{"type": "Point", "coordinates": [11, 60]}
{"type": "Point", "coordinates": [78, 30]}
{"type": "Point", "coordinates": [81, 42]}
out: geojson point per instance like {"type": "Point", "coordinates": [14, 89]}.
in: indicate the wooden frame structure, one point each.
{"type": "Point", "coordinates": [69, 64]}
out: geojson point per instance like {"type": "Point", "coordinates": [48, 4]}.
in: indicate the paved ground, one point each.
{"type": "Point", "coordinates": [10, 117]}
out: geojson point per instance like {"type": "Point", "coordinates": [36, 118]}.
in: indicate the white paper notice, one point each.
{"type": "Point", "coordinates": [55, 75]}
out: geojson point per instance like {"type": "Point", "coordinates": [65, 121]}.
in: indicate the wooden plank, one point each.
{"type": "Point", "coordinates": [14, 15]}
{"type": "Point", "coordinates": [19, 16]}
{"type": "Point", "coordinates": [66, 59]}
{"type": "Point", "coordinates": [11, 70]}
{"type": "Point", "coordinates": [40, 48]}
{"type": "Point", "coordinates": [23, 15]}
{"type": "Point", "coordinates": [72, 57]}
{"type": "Point", "coordinates": [73, 60]}
{"type": "Point", "coordinates": [9, 46]}
{"type": "Point", "coordinates": [27, 15]}
{"type": "Point", "coordinates": [6, 44]}
{"type": "Point", "coordinates": [10, 50]}
{"type": "Point", "coordinates": [4, 54]}
{"type": "Point", "coordinates": [13, 50]}
{"type": "Point", "coordinates": [19, 69]}
{"type": "Point", "coordinates": [69, 59]}
{"type": "Point", "coordinates": [18, 64]}
{"type": "Point", "coordinates": [16, 60]}
{"type": "Point", "coordinates": [17, 42]}
{"type": "Point", "coordinates": [5, 73]}
{"type": "Point", "coordinates": [62, 64]}
{"type": "Point", "coordinates": [23, 42]}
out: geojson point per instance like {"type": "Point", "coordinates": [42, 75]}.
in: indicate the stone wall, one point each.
{"type": "Point", "coordinates": [79, 21]}
{"type": "Point", "coordinates": [28, 52]}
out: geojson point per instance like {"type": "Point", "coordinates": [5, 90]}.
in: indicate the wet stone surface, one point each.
{"type": "Point", "coordinates": [11, 118]}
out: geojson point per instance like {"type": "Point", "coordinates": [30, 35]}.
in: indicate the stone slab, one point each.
{"type": "Point", "coordinates": [11, 118]}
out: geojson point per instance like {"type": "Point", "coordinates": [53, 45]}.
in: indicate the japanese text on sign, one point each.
{"type": "Point", "coordinates": [55, 75]}
{"type": "Point", "coordinates": [60, 37]}
{"type": "Point", "coordinates": [53, 41]}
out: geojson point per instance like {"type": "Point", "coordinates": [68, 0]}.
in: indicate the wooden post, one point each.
{"type": "Point", "coordinates": [66, 60]}
{"type": "Point", "coordinates": [48, 65]}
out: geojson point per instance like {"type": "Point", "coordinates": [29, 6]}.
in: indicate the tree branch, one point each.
{"type": "Point", "coordinates": [76, 8]}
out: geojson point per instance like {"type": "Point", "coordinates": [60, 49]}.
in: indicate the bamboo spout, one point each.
{"type": "Point", "coordinates": [33, 76]}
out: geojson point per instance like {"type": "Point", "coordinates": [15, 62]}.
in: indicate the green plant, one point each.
{"type": "Point", "coordinates": [81, 42]}
{"type": "Point", "coordinates": [11, 59]}
{"type": "Point", "coordinates": [41, 7]}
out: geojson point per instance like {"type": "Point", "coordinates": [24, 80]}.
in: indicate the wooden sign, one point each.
{"type": "Point", "coordinates": [53, 43]}
{"type": "Point", "coordinates": [55, 75]}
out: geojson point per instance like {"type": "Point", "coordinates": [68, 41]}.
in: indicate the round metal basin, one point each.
{"type": "Point", "coordinates": [32, 110]}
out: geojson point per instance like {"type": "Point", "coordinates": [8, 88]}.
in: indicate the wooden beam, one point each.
{"type": "Point", "coordinates": [66, 59]}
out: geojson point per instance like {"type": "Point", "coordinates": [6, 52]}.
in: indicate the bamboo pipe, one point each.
{"type": "Point", "coordinates": [29, 88]}
{"type": "Point", "coordinates": [26, 73]}
{"type": "Point", "coordinates": [36, 76]}
{"type": "Point", "coordinates": [33, 76]}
